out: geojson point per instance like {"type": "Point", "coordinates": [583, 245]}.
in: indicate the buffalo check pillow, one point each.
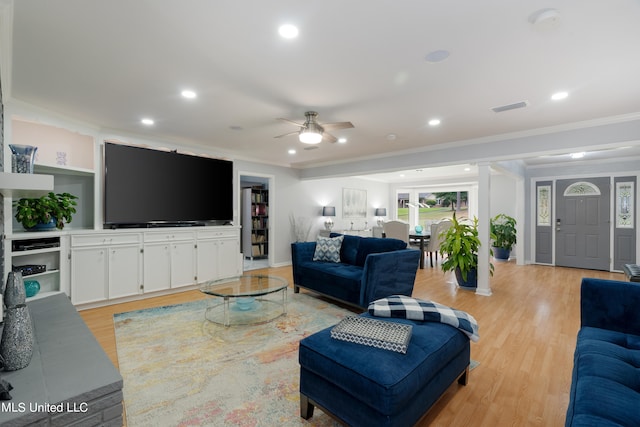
{"type": "Point", "coordinates": [328, 249]}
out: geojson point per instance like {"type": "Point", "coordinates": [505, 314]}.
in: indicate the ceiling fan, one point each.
{"type": "Point", "coordinates": [312, 132]}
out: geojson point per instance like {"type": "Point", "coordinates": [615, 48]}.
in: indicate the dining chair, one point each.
{"type": "Point", "coordinates": [436, 239]}
{"type": "Point", "coordinates": [396, 230]}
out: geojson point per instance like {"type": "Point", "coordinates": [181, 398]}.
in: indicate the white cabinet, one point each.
{"type": "Point", "coordinates": [114, 264]}
{"type": "Point", "coordinates": [88, 275]}
{"type": "Point", "coordinates": [169, 260]}
{"type": "Point", "coordinates": [218, 254]}
{"type": "Point", "coordinates": [228, 265]}
{"type": "Point", "coordinates": [105, 266]}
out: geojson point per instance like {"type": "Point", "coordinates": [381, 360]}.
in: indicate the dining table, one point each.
{"type": "Point", "coordinates": [420, 239]}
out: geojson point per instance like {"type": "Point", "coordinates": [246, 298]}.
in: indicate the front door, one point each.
{"type": "Point", "coordinates": [583, 223]}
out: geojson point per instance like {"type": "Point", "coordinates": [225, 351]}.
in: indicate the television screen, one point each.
{"type": "Point", "coordinates": [143, 186]}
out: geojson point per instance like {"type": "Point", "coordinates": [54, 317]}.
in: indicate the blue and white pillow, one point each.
{"type": "Point", "coordinates": [328, 249]}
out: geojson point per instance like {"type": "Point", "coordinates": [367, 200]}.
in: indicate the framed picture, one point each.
{"type": "Point", "coordinates": [354, 203]}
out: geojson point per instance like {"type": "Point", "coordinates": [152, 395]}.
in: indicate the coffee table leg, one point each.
{"type": "Point", "coordinates": [227, 322]}
{"type": "Point", "coordinates": [284, 301]}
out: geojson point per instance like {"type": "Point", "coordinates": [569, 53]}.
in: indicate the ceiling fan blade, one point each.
{"type": "Point", "coordinates": [292, 122]}
{"type": "Point", "coordinates": [328, 137]}
{"type": "Point", "coordinates": [339, 125]}
{"type": "Point", "coordinates": [287, 134]}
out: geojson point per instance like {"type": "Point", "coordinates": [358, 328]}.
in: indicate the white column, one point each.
{"type": "Point", "coordinates": [520, 220]}
{"type": "Point", "coordinates": [484, 187]}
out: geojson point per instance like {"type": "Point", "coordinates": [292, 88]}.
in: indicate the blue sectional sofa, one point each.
{"type": "Point", "coordinates": [369, 268]}
{"type": "Point", "coordinates": [605, 387]}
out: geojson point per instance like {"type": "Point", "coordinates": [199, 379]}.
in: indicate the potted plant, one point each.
{"type": "Point", "coordinates": [503, 231]}
{"type": "Point", "coordinates": [460, 245]}
{"type": "Point", "coordinates": [47, 212]}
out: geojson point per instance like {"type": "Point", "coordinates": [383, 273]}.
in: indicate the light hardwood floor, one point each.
{"type": "Point", "coordinates": [528, 332]}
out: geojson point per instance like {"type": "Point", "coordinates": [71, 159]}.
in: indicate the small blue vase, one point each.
{"type": "Point", "coordinates": [418, 229]}
{"type": "Point", "coordinates": [31, 287]}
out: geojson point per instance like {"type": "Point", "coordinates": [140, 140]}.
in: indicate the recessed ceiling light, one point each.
{"type": "Point", "coordinates": [577, 155]}
{"type": "Point", "coordinates": [342, 140]}
{"type": "Point", "coordinates": [467, 169]}
{"type": "Point", "coordinates": [434, 122]}
{"type": "Point", "coordinates": [189, 94]}
{"type": "Point", "coordinates": [437, 55]}
{"type": "Point", "coordinates": [147, 121]}
{"type": "Point", "coordinates": [288, 31]}
{"type": "Point", "coordinates": [391, 137]}
{"type": "Point", "coordinates": [559, 96]}
{"type": "Point", "coordinates": [292, 151]}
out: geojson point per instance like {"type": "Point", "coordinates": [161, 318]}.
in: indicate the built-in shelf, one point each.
{"type": "Point", "coordinates": [62, 170]}
{"type": "Point", "coordinates": [17, 185]}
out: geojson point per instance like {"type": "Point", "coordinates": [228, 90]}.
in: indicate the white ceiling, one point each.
{"type": "Point", "coordinates": [111, 63]}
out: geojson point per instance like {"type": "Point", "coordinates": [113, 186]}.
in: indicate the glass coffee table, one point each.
{"type": "Point", "coordinates": [246, 300]}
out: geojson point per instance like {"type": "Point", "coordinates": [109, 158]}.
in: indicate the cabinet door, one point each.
{"type": "Point", "coordinates": [124, 271]}
{"type": "Point", "coordinates": [228, 258]}
{"type": "Point", "coordinates": [157, 267]}
{"type": "Point", "coordinates": [207, 262]}
{"type": "Point", "coordinates": [183, 264]}
{"type": "Point", "coordinates": [88, 275]}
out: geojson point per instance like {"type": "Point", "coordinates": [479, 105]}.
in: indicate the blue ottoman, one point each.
{"type": "Point", "coordinates": [368, 386]}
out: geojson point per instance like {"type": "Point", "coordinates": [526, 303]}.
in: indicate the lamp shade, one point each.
{"type": "Point", "coordinates": [381, 212]}
{"type": "Point", "coordinates": [329, 211]}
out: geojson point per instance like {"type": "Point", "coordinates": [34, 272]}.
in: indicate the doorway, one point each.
{"type": "Point", "coordinates": [583, 223]}
{"type": "Point", "coordinates": [256, 243]}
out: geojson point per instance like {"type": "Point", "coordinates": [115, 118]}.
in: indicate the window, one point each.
{"type": "Point", "coordinates": [418, 206]}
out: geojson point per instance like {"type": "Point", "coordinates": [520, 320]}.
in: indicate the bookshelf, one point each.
{"type": "Point", "coordinates": [255, 222]}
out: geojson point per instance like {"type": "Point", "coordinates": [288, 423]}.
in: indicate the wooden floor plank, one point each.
{"type": "Point", "coordinates": [528, 329]}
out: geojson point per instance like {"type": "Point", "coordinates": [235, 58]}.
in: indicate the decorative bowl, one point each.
{"type": "Point", "coordinates": [31, 287]}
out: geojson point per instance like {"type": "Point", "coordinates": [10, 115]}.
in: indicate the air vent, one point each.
{"type": "Point", "coordinates": [508, 107]}
{"type": "Point", "coordinates": [313, 147]}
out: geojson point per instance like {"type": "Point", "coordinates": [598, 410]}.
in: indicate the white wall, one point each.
{"type": "Point", "coordinates": [502, 196]}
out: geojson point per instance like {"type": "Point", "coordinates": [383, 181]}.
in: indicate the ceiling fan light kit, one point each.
{"type": "Point", "coordinates": [308, 136]}
{"type": "Point", "coordinates": [311, 132]}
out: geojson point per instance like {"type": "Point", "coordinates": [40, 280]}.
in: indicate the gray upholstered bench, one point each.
{"type": "Point", "coordinates": [368, 386]}
{"type": "Point", "coordinates": [632, 271]}
{"type": "Point", "coordinates": [70, 380]}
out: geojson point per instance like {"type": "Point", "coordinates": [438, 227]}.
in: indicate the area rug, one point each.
{"type": "Point", "coordinates": [182, 370]}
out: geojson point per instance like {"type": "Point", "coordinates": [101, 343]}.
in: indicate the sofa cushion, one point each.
{"type": "Point", "coordinates": [328, 249]}
{"type": "Point", "coordinates": [340, 280]}
{"type": "Point", "coordinates": [373, 245]}
{"type": "Point", "coordinates": [349, 250]}
{"type": "Point", "coordinates": [606, 384]}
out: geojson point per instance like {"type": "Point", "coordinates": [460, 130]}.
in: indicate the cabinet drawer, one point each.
{"type": "Point", "coordinates": [218, 233]}
{"type": "Point", "coordinates": [168, 236]}
{"type": "Point", "coordinates": [79, 240]}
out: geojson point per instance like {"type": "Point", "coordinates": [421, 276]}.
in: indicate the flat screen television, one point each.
{"type": "Point", "coordinates": [145, 187]}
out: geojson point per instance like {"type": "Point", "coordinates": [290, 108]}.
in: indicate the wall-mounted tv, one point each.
{"type": "Point", "coordinates": [145, 187]}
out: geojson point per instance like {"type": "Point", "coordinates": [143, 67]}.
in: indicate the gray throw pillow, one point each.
{"type": "Point", "coordinates": [328, 249]}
